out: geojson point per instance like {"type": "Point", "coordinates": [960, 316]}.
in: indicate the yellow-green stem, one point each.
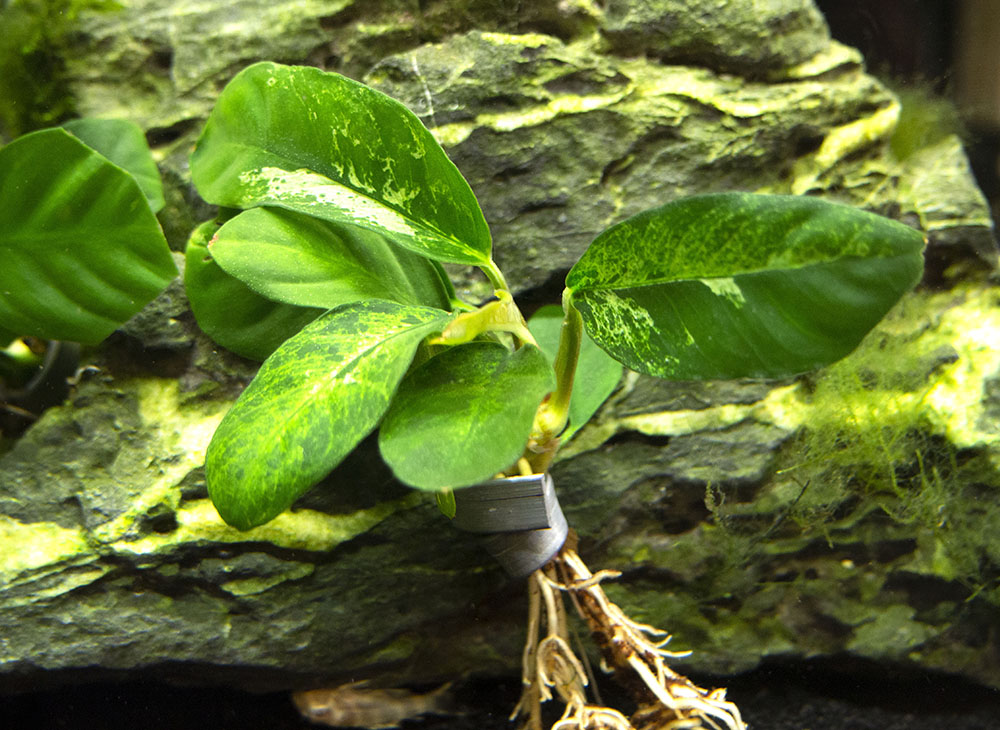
{"type": "Point", "coordinates": [495, 276]}
{"type": "Point", "coordinates": [554, 414]}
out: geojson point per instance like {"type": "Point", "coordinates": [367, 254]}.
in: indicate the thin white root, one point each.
{"type": "Point", "coordinates": [668, 701]}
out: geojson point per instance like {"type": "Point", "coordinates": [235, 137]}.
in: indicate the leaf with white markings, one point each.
{"type": "Point", "coordinates": [736, 284]}
{"type": "Point", "coordinates": [311, 403]}
{"type": "Point", "coordinates": [294, 258]}
{"type": "Point", "coordinates": [464, 415]}
{"type": "Point", "coordinates": [319, 143]}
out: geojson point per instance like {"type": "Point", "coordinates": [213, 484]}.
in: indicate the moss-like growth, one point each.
{"type": "Point", "coordinates": [925, 120]}
{"type": "Point", "coordinates": [34, 92]}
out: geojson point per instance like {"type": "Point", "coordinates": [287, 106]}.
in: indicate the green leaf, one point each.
{"type": "Point", "coordinates": [322, 144]}
{"type": "Point", "coordinates": [231, 313]}
{"type": "Point", "coordinates": [293, 258]}
{"type": "Point", "coordinates": [124, 144]}
{"type": "Point", "coordinates": [464, 415]}
{"type": "Point", "coordinates": [742, 285]}
{"type": "Point", "coordinates": [311, 403]}
{"type": "Point", "coordinates": [81, 249]}
{"type": "Point", "coordinates": [597, 373]}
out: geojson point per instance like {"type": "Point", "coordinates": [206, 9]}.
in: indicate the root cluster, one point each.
{"type": "Point", "coordinates": [633, 651]}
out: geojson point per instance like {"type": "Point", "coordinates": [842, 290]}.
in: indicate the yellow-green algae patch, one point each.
{"type": "Point", "coordinates": [835, 55]}
{"type": "Point", "coordinates": [300, 530]}
{"type": "Point", "coordinates": [253, 586]}
{"type": "Point", "coordinates": [841, 142]}
{"type": "Point", "coordinates": [453, 134]}
{"type": "Point", "coordinates": [955, 400]}
{"type": "Point", "coordinates": [27, 548]}
{"type": "Point", "coordinates": [181, 432]}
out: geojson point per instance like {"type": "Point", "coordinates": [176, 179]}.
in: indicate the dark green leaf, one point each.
{"type": "Point", "coordinates": [293, 258]}
{"type": "Point", "coordinates": [735, 284]}
{"type": "Point", "coordinates": [322, 144]}
{"type": "Point", "coordinates": [311, 403]}
{"type": "Point", "coordinates": [81, 251]}
{"type": "Point", "coordinates": [464, 415]}
{"type": "Point", "coordinates": [229, 311]}
{"type": "Point", "coordinates": [597, 373]}
{"type": "Point", "coordinates": [124, 144]}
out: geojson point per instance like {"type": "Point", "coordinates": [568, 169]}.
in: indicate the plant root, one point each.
{"type": "Point", "coordinates": [667, 700]}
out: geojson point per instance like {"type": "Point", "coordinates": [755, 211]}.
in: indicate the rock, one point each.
{"type": "Point", "coordinates": [559, 142]}
{"type": "Point", "coordinates": [745, 37]}
{"type": "Point", "coordinates": [845, 512]}
{"type": "Point", "coordinates": [936, 181]}
{"type": "Point", "coordinates": [130, 567]}
{"type": "Point", "coordinates": [848, 512]}
{"type": "Point", "coordinates": [162, 63]}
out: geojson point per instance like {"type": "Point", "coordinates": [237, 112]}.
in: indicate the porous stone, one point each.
{"type": "Point", "coordinates": [745, 37]}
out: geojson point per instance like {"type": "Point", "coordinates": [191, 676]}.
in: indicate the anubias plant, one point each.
{"type": "Point", "coordinates": [338, 210]}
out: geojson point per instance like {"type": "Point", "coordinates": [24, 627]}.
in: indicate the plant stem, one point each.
{"type": "Point", "coordinates": [554, 414]}
{"type": "Point", "coordinates": [495, 276]}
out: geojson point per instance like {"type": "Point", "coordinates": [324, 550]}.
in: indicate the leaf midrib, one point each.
{"type": "Point", "coordinates": [351, 363]}
{"type": "Point", "coordinates": [288, 162]}
{"type": "Point", "coordinates": [733, 275]}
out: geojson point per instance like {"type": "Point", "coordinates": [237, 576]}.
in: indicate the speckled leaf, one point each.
{"type": "Point", "coordinates": [311, 403]}
{"type": "Point", "coordinates": [294, 258]}
{"type": "Point", "coordinates": [597, 373]}
{"type": "Point", "coordinates": [124, 144]}
{"type": "Point", "coordinates": [231, 313]}
{"type": "Point", "coordinates": [320, 143]}
{"type": "Point", "coordinates": [80, 249]}
{"type": "Point", "coordinates": [736, 284]}
{"type": "Point", "coordinates": [464, 415]}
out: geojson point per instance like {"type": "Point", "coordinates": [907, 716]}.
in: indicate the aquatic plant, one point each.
{"type": "Point", "coordinates": [338, 212]}
{"type": "Point", "coordinates": [339, 209]}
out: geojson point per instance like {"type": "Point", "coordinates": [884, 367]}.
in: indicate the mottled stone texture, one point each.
{"type": "Point", "coordinates": [748, 38]}
{"type": "Point", "coordinates": [849, 511]}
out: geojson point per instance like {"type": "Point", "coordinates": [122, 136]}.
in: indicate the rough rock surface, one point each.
{"type": "Point", "coordinates": [745, 38]}
{"type": "Point", "coordinates": [848, 512]}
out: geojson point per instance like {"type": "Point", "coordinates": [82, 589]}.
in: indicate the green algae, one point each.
{"type": "Point", "coordinates": [28, 548]}
{"type": "Point", "coordinates": [304, 529]}
{"type": "Point", "coordinates": [34, 88]}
